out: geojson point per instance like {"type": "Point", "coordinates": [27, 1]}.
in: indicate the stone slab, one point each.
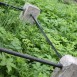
{"type": "Point", "coordinates": [69, 67]}
{"type": "Point", "coordinates": [29, 9]}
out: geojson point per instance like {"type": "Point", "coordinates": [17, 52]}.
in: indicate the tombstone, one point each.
{"type": "Point", "coordinates": [69, 67]}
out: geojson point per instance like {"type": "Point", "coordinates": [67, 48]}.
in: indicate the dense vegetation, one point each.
{"type": "Point", "coordinates": [59, 22]}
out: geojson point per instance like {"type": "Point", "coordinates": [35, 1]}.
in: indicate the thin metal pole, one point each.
{"type": "Point", "coordinates": [48, 40]}
{"type": "Point", "coordinates": [30, 57]}
{"type": "Point", "coordinates": [4, 4]}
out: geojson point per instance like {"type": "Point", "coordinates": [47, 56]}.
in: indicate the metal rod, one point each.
{"type": "Point", "coordinates": [30, 57]}
{"type": "Point", "coordinates": [4, 4]}
{"type": "Point", "coordinates": [38, 25]}
{"type": "Point", "coordinates": [48, 40]}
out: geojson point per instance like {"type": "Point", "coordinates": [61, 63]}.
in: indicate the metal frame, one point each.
{"type": "Point", "coordinates": [26, 56]}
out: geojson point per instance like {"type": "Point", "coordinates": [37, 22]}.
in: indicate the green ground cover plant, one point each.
{"type": "Point", "coordinates": [59, 22]}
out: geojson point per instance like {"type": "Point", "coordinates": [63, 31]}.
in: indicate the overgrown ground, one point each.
{"type": "Point", "coordinates": [58, 20]}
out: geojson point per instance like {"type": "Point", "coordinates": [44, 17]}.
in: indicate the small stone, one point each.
{"type": "Point", "coordinates": [68, 60]}
{"type": "Point", "coordinates": [69, 67]}
{"type": "Point", "coordinates": [29, 9]}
